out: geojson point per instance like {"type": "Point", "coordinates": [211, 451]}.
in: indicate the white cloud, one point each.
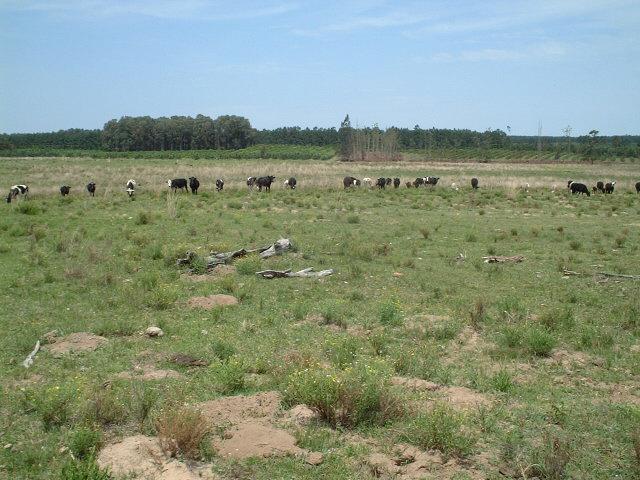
{"type": "Point", "coordinates": [542, 51]}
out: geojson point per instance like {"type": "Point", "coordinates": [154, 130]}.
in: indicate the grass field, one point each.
{"type": "Point", "coordinates": [480, 368]}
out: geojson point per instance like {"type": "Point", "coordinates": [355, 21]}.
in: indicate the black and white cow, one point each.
{"type": "Point", "coordinates": [388, 180]}
{"type": "Point", "coordinates": [637, 187]}
{"type": "Point", "coordinates": [131, 188]}
{"type": "Point", "coordinates": [381, 182]}
{"type": "Point", "coordinates": [433, 181]}
{"type": "Point", "coordinates": [178, 183]}
{"type": "Point", "coordinates": [265, 182]}
{"type": "Point", "coordinates": [291, 182]}
{"type": "Point", "coordinates": [396, 182]}
{"type": "Point", "coordinates": [17, 190]}
{"type": "Point", "coordinates": [608, 188]}
{"type": "Point", "coordinates": [194, 185]}
{"type": "Point", "coordinates": [418, 181]}
{"type": "Point", "coordinates": [219, 184]}
{"type": "Point", "coordinates": [350, 182]}
{"type": "Point", "coordinates": [91, 188]}
{"type": "Point", "coordinates": [474, 183]}
{"type": "Point", "coordinates": [64, 190]}
{"type": "Point", "coordinates": [580, 188]}
{"type": "Point", "coordinates": [600, 186]}
{"type": "Point", "coordinates": [251, 181]}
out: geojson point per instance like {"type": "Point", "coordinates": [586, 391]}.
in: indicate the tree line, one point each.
{"type": "Point", "coordinates": [230, 132]}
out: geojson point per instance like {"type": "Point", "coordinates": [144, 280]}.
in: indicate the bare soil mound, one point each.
{"type": "Point", "coordinates": [149, 372]}
{"type": "Point", "coordinates": [74, 343]}
{"type": "Point", "coordinates": [142, 456]}
{"type": "Point", "coordinates": [458, 397]}
{"type": "Point", "coordinates": [212, 301]}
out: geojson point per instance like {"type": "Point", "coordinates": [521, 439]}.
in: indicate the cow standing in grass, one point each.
{"type": "Point", "coordinates": [350, 182]}
{"type": "Point", "coordinates": [418, 181]}
{"type": "Point", "coordinates": [608, 188]}
{"type": "Point", "coordinates": [600, 186]}
{"type": "Point", "coordinates": [291, 182]}
{"type": "Point", "coordinates": [637, 187]}
{"type": "Point", "coordinates": [381, 183]}
{"type": "Point", "coordinates": [265, 182]}
{"type": "Point", "coordinates": [396, 182]}
{"type": "Point", "coordinates": [251, 181]}
{"type": "Point", "coordinates": [131, 188]}
{"type": "Point", "coordinates": [17, 190]}
{"type": "Point", "coordinates": [219, 184]}
{"type": "Point", "coordinates": [64, 190]}
{"type": "Point", "coordinates": [474, 183]}
{"type": "Point", "coordinates": [194, 185]}
{"type": "Point", "coordinates": [91, 188]}
{"type": "Point", "coordinates": [580, 188]}
{"type": "Point", "coordinates": [178, 183]}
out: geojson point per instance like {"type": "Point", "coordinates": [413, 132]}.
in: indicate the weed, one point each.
{"type": "Point", "coordinates": [539, 342]}
{"type": "Point", "coordinates": [501, 381]}
{"type": "Point", "coordinates": [248, 265]}
{"type": "Point", "coordinates": [83, 470]}
{"type": "Point", "coordinates": [425, 232]}
{"type": "Point", "coordinates": [478, 314]}
{"type": "Point", "coordinates": [230, 376]}
{"type": "Point", "coordinates": [105, 408]}
{"type": "Point", "coordinates": [84, 442]}
{"type": "Point", "coordinates": [143, 218]}
{"type": "Point", "coordinates": [181, 430]}
{"type": "Point", "coordinates": [390, 313]}
{"type": "Point", "coordinates": [222, 350]}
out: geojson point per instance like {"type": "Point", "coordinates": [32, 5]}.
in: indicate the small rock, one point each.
{"type": "Point", "coordinates": [8, 446]}
{"type": "Point", "coordinates": [315, 458]}
{"type": "Point", "coordinates": [397, 274]}
{"type": "Point", "coordinates": [154, 332]}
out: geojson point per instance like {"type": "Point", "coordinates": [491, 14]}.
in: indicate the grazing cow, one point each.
{"type": "Point", "coordinates": [418, 181]}
{"type": "Point", "coordinates": [219, 184]}
{"type": "Point", "coordinates": [131, 188]}
{"type": "Point", "coordinates": [251, 181]}
{"type": "Point", "coordinates": [594, 189]}
{"type": "Point", "coordinates": [474, 183]}
{"type": "Point", "coordinates": [600, 186]}
{"type": "Point", "coordinates": [194, 185]}
{"type": "Point", "coordinates": [350, 182]}
{"type": "Point", "coordinates": [291, 182]}
{"type": "Point", "coordinates": [396, 182]}
{"type": "Point", "coordinates": [265, 182]}
{"type": "Point", "coordinates": [580, 188]}
{"type": "Point", "coordinates": [433, 181]}
{"type": "Point", "coordinates": [367, 182]}
{"type": "Point", "coordinates": [178, 183]}
{"type": "Point", "coordinates": [637, 187]}
{"type": "Point", "coordinates": [381, 182]}
{"type": "Point", "coordinates": [608, 188]}
{"type": "Point", "coordinates": [91, 188]}
{"type": "Point", "coordinates": [388, 181]}
{"type": "Point", "coordinates": [409, 184]}
{"type": "Point", "coordinates": [16, 190]}
{"type": "Point", "coordinates": [64, 190]}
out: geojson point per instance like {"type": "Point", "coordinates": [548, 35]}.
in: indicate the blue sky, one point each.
{"type": "Point", "coordinates": [448, 64]}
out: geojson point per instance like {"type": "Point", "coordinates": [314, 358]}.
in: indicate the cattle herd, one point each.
{"type": "Point", "coordinates": [348, 182]}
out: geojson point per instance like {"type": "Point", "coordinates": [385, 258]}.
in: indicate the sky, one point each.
{"type": "Point", "coordinates": [442, 63]}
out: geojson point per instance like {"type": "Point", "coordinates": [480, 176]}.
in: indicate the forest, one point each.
{"type": "Point", "coordinates": [232, 132]}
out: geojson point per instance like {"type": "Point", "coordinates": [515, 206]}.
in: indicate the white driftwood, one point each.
{"type": "Point", "coordinates": [305, 273]}
{"type": "Point", "coordinates": [619, 275]}
{"type": "Point", "coordinates": [29, 360]}
{"type": "Point", "coordinates": [498, 259]}
{"type": "Point", "coordinates": [220, 258]}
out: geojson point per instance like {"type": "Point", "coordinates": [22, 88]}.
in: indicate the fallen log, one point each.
{"type": "Point", "coordinates": [619, 275]}
{"type": "Point", "coordinates": [29, 360]}
{"type": "Point", "coordinates": [499, 259]}
{"type": "Point", "coordinates": [305, 273]}
{"type": "Point", "coordinates": [221, 258]}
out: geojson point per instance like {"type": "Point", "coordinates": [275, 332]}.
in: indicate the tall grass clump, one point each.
{"type": "Point", "coordinates": [248, 265]}
{"type": "Point", "coordinates": [390, 313]}
{"type": "Point", "coordinates": [181, 431]}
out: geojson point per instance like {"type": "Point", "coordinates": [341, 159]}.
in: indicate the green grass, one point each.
{"type": "Point", "coordinates": [402, 302]}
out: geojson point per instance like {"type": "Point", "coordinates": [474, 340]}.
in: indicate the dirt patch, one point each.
{"type": "Point", "coordinates": [301, 415]}
{"type": "Point", "coordinates": [458, 397]}
{"type": "Point", "coordinates": [570, 360]}
{"type": "Point", "coordinates": [415, 383]}
{"type": "Point", "coordinates": [249, 426]}
{"type": "Point", "coordinates": [27, 382]}
{"type": "Point", "coordinates": [408, 462]}
{"type": "Point", "coordinates": [188, 360]}
{"type": "Point", "coordinates": [149, 372]}
{"type": "Point", "coordinates": [74, 343]}
{"type": "Point", "coordinates": [142, 456]}
{"type": "Point", "coordinates": [212, 301]}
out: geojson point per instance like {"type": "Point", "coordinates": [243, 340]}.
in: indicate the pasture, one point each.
{"type": "Point", "coordinates": [418, 359]}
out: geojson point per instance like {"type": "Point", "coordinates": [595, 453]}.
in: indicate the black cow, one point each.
{"type": "Point", "coordinates": [64, 190]}
{"type": "Point", "coordinates": [418, 181]}
{"type": "Point", "coordinates": [131, 188]}
{"type": "Point", "coordinates": [580, 188]}
{"type": "Point", "coordinates": [178, 183]}
{"type": "Point", "coordinates": [409, 184]}
{"type": "Point", "coordinates": [474, 183]}
{"type": "Point", "coordinates": [381, 182]}
{"type": "Point", "coordinates": [219, 184]}
{"type": "Point", "coordinates": [608, 188]}
{"type": "Point", "coordinates": [291, 183]}
{"type": "Point", "coordinates": [637, 187]}
{"type": "Point", "coordinates": [388, 180]}
{"type": "Point", "coordinates": [433, 181]}
{"type": "Point", "coordinates": [16, 190]}
{"type": "Point", "coordinates": [396, 182]}
{"type": "Point", "coordinates": [194, 184]}
{"type": "Point", "coordinates": [265, 182]}
{"type": "Point", "coordinates": [91, 188]}
{"type": "Point", "coordinates": [251, 181]}
{"type": "Point", "coordinates": [350, 182]}
{"type": "Point", "coordinates": [600, 186]}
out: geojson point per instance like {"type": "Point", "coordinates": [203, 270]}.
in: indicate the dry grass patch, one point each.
{"type": "Point", "coordinates": [181, 431]}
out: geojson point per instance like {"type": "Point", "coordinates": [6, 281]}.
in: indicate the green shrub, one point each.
{"type": "Point", "coordinates": [230, 376]}
{"type": "Point", "coordinates": [347, 398]}
{"type": "Point", "coordinates": [143, 218]}
{"type": "Point", "coordinates": [390, 313]}
{"type": "Point", "coordinates": [440, 429]}
{"type": "Point", "coordinates": [84, 442]}
{"type": "Point", "coordinates": [222, 350]}
{"type": "Point", "coordinates": [539, 342]}
{"type": "Point", "coordinates": [344, 351]}
{"type": "Point", "coordinates": [28, 208]}
{"type": "Point", "coordinates": [53, 405]}
{"type": "Point", "coordinates": [248, 265]}
{"type": "Point", "coordinates": [501, 381]}
{"type": "Point", "coordinates": [162, 297]}
{"type": "Point", "coordinates": [83, 470]}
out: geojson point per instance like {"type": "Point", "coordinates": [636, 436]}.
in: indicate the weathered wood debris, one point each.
{"type": "Point", "coordinates": [306, 273]}
{"type": "Point", "coordinates": [499, 259]}
{"type": "Point", "coordinates": [220, 258]}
